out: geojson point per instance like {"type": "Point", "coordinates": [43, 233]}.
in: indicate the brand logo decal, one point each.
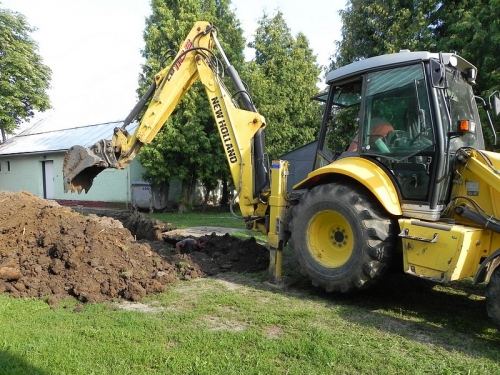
{"type": "Point", "coordinates": [224, 131]}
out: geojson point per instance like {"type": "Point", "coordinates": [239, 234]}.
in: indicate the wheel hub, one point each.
{"type": "Point", "coordinates": [331, 239]}
{"type": "Point", "coordinates": [339, 237]}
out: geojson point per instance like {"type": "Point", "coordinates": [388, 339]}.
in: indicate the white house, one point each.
{"type": "Point", "coordinates": [33, 160]}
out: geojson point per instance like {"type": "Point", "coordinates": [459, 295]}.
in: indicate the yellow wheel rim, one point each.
{"type": "Point", "coordinates": [331, 239]}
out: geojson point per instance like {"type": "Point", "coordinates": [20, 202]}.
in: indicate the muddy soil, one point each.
{"type": "Point", "coordinates": [52, 252]}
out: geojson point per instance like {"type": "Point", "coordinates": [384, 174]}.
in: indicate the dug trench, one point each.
{"type": "Point", "coordinates": [52, 252]}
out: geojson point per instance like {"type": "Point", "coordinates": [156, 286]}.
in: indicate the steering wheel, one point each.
{"type": "Point", "coordinates": [395, 137]}
{"type": "Point", "coordinates": [424, 141]}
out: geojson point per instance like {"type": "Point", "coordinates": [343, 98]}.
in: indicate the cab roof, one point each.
{"type": "Point", "coordinates": [394, 59]}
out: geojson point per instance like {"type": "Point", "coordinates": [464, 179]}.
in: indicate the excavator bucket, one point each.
{"type": "Point", "coordinates": [81, 165]}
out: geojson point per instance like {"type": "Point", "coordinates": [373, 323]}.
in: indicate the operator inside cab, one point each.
{"type": "Point", "coordinates": [380, 130]}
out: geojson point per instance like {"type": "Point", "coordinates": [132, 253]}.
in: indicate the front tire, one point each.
{"type": "Point", "coordinates": [342, 239]}
{"type": "Point", "coordinates": [492, 295]}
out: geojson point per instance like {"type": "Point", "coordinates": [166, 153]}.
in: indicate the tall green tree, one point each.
{"type": "Point", "coordinates": [371, 28]}
{"type": "Point", "coordinates": [24, 79]}
{"type": "Point", "coordinates": [282, 78]}
{"type": "Point", "coordinates": [188, 147]}
{"type": "Point", "coordinates": [470, 28]}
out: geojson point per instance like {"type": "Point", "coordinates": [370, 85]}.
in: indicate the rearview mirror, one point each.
{"type": "Point", "coordinates": [495, 103]}
{"type": "Point", "coordinates": [438, 74]}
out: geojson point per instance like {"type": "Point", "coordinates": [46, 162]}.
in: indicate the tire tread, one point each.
{"type": "Point", "coordinates": [379, 228]}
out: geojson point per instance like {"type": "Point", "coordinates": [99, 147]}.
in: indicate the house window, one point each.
{"type": "Point", "coordinates": [8, 165]}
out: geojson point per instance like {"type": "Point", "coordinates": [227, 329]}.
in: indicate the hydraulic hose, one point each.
{"type": "Point", "coordinates": [140, 104]}
{"type": "Point", "coordinates": [262, 180]}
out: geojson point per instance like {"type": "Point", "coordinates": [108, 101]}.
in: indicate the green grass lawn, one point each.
{"type": "Point", "coordinates": [223, 219]}
{"type": "Point", "coordinates": [235, 324]}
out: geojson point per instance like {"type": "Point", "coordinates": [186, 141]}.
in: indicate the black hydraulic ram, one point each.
{"type": "Point", "coordinates": [477, 218]}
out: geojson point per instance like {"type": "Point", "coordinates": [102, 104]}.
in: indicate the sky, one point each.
{"type": "Point", "coordinates": [94, 49]}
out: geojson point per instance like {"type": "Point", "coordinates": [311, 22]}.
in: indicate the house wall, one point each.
{"type": "Point", "coordinates": [111, 188]}
{"type": "Point", "coordinates": [26, 173]}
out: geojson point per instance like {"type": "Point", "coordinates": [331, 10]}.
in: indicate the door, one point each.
{"type": "Point", "coordinates": [48, 179]}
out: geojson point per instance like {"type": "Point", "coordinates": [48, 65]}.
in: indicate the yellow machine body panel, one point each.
{"type": "Point", "coordinates": [367, 173]}
{"type": "Point", "coordinates": [479, 179]}
{"type": "Point", "coordinates": [442, 252]}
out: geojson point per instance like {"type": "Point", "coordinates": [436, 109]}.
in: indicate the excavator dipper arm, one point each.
{"type": "Point", "coordinates": [240, 130]}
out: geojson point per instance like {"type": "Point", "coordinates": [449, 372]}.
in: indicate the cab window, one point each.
{"type": "Point", "coordinates": [396, 127]}
{"type": "Point", "coordinates": [397, 118]}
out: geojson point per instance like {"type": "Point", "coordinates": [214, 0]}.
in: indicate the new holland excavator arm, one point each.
{"type": "Point", "coordinates": [261, 202]}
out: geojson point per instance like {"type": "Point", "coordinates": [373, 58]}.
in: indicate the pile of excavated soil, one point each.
{"type": "Point", "coordinates": [49, 251]}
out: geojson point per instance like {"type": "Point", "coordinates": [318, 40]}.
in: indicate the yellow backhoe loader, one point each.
{"type": "Point", "coordinates": [416, 181]}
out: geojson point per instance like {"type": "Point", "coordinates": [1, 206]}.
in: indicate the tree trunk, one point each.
{"type": "Point", "coordinates": [205, 199]}
{"type": "Point", "coordinates": [185, 190]}
{"type": "Point", "coordinates": [192, 190]}
{"type": "Point", "coordinates": [224, 200]}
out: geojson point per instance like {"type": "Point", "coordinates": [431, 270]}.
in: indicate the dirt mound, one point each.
{"type": "Point", "coordinates": [50, 251]}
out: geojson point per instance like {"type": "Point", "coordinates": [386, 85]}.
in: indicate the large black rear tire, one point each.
{"type": "Point", "coordinates": [492, 295]}
{"type": "Point", "coordinates": [342, 238]}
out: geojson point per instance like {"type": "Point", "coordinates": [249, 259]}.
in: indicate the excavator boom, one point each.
{"type": "Point", "coordinates": [240, 129]}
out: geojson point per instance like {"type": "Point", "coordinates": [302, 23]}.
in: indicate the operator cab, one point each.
{"type": "Point", "coordinates": [402, 111]}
